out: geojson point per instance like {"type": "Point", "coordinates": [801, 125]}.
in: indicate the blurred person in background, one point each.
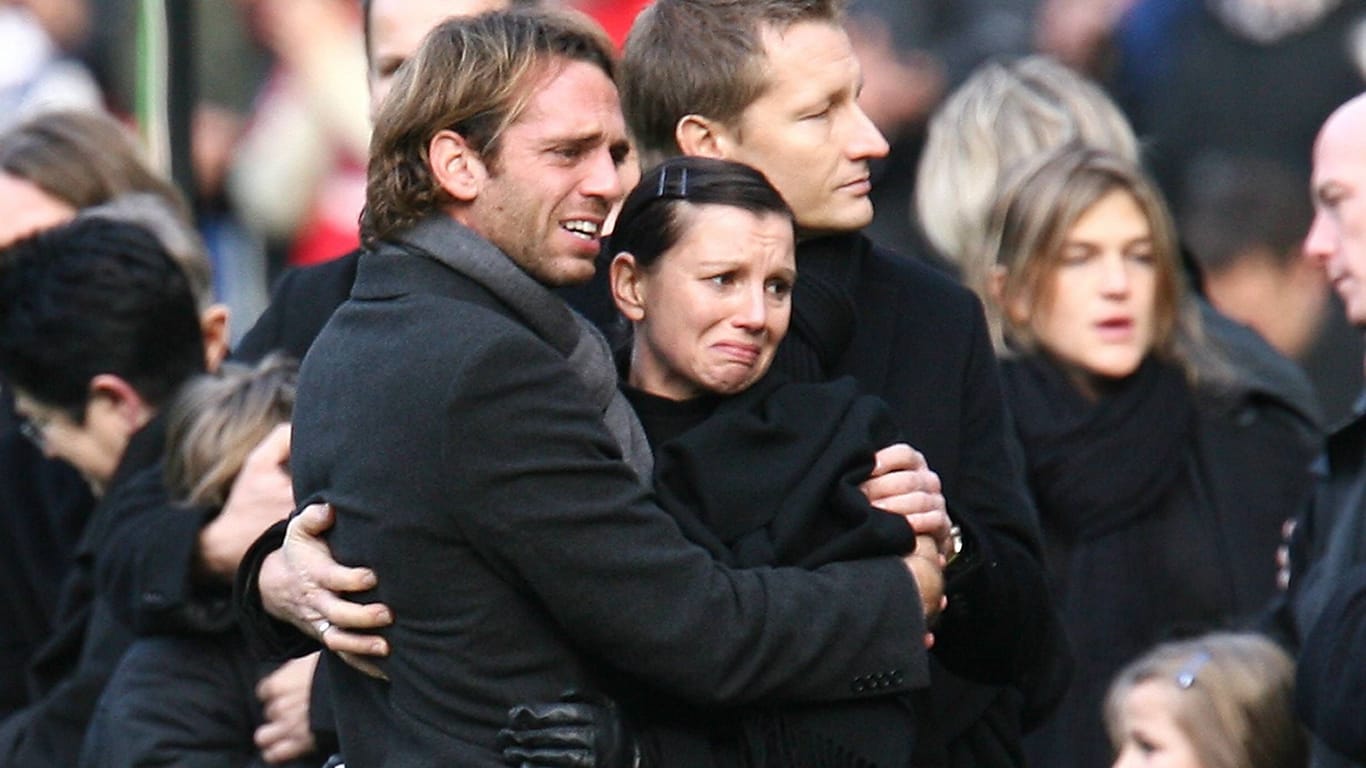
{"type": "Point", "coordinates": [98, 329]}
{"type": "Point", "coordinates": [298, 171]}
{"type": "Point", "coordinates": [1249, 78]}
{"type": "Point", "coordinates": [1245, 223]}
{"type": "Point", "coordinates": [53, 166]}
{"type": "Point", "coordinates": [190, 700]}
{"type": "Point", "coordinates": [39, 71]}
{"type": "Point", "coordinates": [1161, 485]}
{"type": "Point", "coordinates": [1222, 700]}
{"type": "Point", "coordinates": [913, 52]}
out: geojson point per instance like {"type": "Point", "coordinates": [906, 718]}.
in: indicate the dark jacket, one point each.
{"type": "Point", "coordinates": [44, 507]}
{"type": "Point", "coordinates": [183, 700]}
{"type": "Point", "coordinates": [1330, 681]}
{"type": "Point", "coordinates": [1162, 510]}
{"type": "Point", "coordinates": [299, 307]}
{"type": "Point", "coordinates": [920, 344]}
{"type": "Point", "coordinates": [518, 551]}
{"type": "Point", "coordinates": [72, 668]}
{"type": "Point", "coordinates": [770, 477]}
{"type": "Point", "coordinates": [1317, 617]}
{"type": "Point", "coordinates": [917, 339]}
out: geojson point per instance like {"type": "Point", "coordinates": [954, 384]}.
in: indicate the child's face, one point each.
{"type": "Point", "coordinates": [1151, 738]}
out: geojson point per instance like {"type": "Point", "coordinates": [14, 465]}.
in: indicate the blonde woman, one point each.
{"type": "Point", "coordinates": [1161, 485]}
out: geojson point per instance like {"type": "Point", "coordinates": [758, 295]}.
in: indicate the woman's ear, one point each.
{"type": "Point", "coordinates": [996, 284]}
{"type": "Point", "coordinates": [628, 290]}
{"type": "Point", "coordinates": [456, 166]}
{"type": "Point", "coordinates": [1015, 307]}
{"type": "Point", "coordinates": [703, 137]}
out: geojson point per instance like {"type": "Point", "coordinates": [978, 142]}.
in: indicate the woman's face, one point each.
{"type": "Point", "coordinates": [710, 313]}
{"type": "Point", "coordinates": [1151, 737]}
{"type": "Point", "coordinates": [1097, 304]}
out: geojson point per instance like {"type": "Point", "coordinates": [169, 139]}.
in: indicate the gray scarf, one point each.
{"type": "Point", "coordinates": [454, 245]}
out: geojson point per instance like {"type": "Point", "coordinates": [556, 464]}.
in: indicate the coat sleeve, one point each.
{"type": "Point", "coordinates": [1000, 625]}
{"type": "Point", "coordinates": [1330, 684]}
{"type": "Point", "coordinates": [145, 567]}
{"type": "Point", "coordinates": [582, 535]}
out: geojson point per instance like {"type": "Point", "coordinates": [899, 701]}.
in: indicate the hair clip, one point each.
{"type": "Point", "coordinates": [1186, 677]}
{"type": "Point", "coordinates": [673, 182]}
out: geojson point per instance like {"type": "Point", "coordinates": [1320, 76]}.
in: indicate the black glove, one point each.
{"type": "Point", "coordinates": [578, 731]}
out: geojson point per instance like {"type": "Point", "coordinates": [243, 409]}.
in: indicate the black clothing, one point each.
{"type": "Point", "coordinates": [187, 701]}
{"type": "Point", "coordinates": [299, 307]}
{"type": "Point", "coordinates": [1161, 509]}
{"type": "Point", "coordinates": [1330, 681]}
{"type": "Point", "coordinates": [150, 570]}
{"type": "Point", "coordinates": [72, 668]}
{"type": "Point", "coordinates": [918, 340]}
{"type": "Point", "coordinates": [770, 477]}
{"type": "Point", "coordinates": [44, 507]}
{"type": "Point", "coordinates": [1330, 536]}
{"type": "Point", "coordinates": [471, 468]}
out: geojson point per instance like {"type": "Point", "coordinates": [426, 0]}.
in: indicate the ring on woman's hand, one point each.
{"type": "Point", "coordinates": [322, 626]}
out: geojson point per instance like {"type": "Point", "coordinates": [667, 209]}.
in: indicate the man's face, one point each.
{"type": "Point", "coordinates": [807, 133]}
{"type": "Point", "coordinates": [397, 28]}
{"type": "Point", "coordinates": [1337, 238]}
{"type": "Point", "coordinates": [558, 172]}
{"type": "Point", "coordinates": [93, 447]}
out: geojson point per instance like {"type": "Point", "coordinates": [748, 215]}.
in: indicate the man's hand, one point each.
{"type": "Point", "coordinates": [301, 584]}
{"type": "Point", "coordinates": [260, 496]}
{"type": "Point", "coordinates": [927, 567]}
{"type": "Point", "coordinates": [903, 484]}
{"type": "Point", "coordinates": [285, 693]}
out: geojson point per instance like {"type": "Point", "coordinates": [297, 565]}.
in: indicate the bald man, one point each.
{"type": "Point", "coordinates": [1325, 607]}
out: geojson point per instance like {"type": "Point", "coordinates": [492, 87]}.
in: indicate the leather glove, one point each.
{"type": "Point", "coordinates": [578, 731]}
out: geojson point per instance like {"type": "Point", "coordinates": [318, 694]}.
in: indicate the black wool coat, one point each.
{"type": "Point", "coordinates": [518, 551]}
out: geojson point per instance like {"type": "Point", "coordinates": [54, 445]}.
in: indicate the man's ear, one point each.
{"type": "Point", "coordinates": [627, 289]}
{"type": "Point", "coordinates": [703, 137]}
{"type": "Point", "coordinates": [456, 167]}
{"type": "Point", "coordinates": [122, 399]}
{"type": "Point", "coordinates": [213, 327]}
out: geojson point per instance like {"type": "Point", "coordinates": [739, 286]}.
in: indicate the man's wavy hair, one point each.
{"type": "Point", "coordinates": [474, 76]}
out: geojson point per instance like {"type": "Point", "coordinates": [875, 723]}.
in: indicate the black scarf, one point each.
{"type": "Point", "coordinates": [1095, 465]}
{"type": "Point", "coordinates": [823, 313]}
